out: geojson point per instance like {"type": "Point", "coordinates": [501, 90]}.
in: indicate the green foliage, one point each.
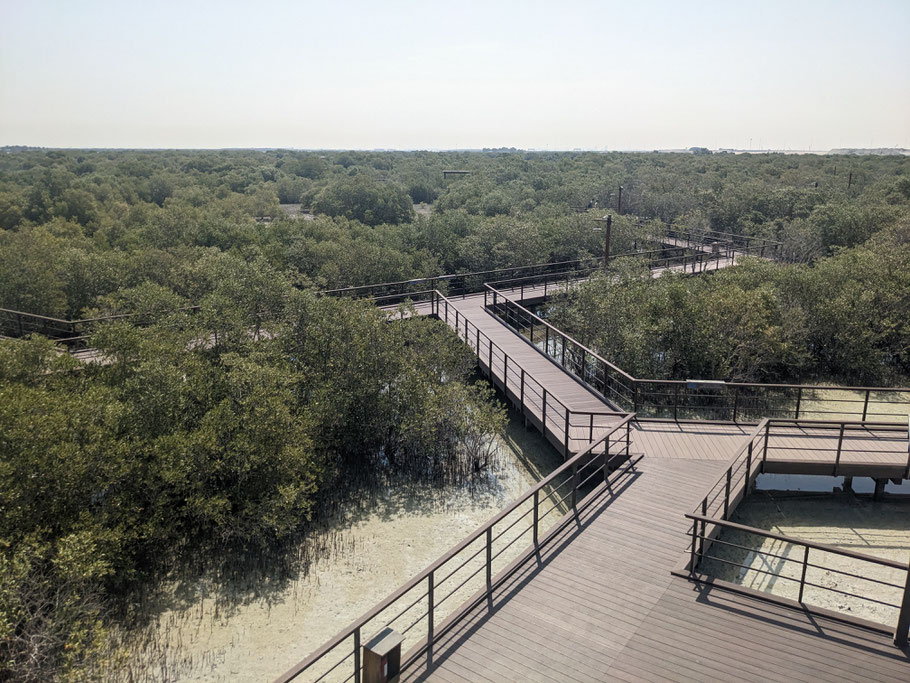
{"type": "Point", "coordinates": [847, 318]}
{"type": "Point", "coordinates": [365, 200]}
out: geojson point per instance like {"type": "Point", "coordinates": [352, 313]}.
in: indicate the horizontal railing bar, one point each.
{"type": "Point", "coordinates": [797, 541]}
{"type": "Point", "coordinates": [461, 545]}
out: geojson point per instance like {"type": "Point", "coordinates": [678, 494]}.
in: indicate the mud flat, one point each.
{"type": "Point", "coordinates": [846, 521]}
{"type": "Point", "coordinates": [259, 631]}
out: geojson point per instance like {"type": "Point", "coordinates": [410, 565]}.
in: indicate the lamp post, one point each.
{"type": "Point", "coordinates": [608, 225]}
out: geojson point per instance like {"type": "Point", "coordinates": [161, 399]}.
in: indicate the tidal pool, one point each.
{"type": "Point", "coordinates": [256, 631]}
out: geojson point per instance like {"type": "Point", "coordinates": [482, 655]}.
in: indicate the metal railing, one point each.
{"type": "Point", "coordinates": [73, 332]}
{"type": "Point", "coordinates": [694, 399]}
{"type": "Point", "coordinates": [831, 445]}
{"type": "Point", "coordinates": [727, 242]}
{"type": "Point", "coordinates": [567, 428]}
{"type": "Point", "coordinates": [432, 602]}
{"type": "Point", "coordinates": [877, 589]}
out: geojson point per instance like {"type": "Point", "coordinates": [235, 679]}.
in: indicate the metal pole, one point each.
{"type": "Point", "coordinates": [489, 560]}
{"type": "Point", "coordinates": [430, 625]}
{"type": "Point", "coordinates": [543, 419]}
{"type": "Point", "coordinates": [802, 579]}
{"type": "Point", "coordinates": [536, 513]}
{"type": "Point", "coordinates": [866, 405]}
{"type": "Point", "coordinates": [522, 401]}
{"type": "Point", "coordinates": [903, 619]}
{"type": "Point", "coordinates": [567, 434]}
{"type": "Point", "coordinates": [357, 655]}
{"type": "Point", "coordinates": [748, 469]}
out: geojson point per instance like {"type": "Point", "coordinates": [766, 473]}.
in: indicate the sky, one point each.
{"type": "Point", "coordinates": [563, 74]}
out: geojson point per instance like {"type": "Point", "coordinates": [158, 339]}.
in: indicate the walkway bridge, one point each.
{"type": "Point", "coordinates": [596, 573]}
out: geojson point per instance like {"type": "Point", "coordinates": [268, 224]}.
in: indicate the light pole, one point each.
{"type": "Point", "coordinates": [608, 225]}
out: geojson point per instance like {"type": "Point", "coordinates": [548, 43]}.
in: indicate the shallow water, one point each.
{"type": "Point", "coordinates": [264, 632]}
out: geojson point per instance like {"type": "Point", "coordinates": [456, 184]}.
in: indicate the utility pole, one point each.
{"type": "Point", "coordinates": [608, 221]}
{"type": "Point", "coordinates": [619, 202]}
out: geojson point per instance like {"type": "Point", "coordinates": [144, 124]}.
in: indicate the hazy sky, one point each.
{"type": "Point", "coordinates": [558, 75]}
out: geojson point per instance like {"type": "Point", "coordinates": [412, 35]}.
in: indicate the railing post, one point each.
{"type": "Point", "coordinates": [547, 339]}
{"type": "Point", "coordinates": [799, 400]}
{"type": "Point", "coordinates": [802, 579]}
{"type": "Point", "coordinates": [532, 332]}
{"type": "Point", "coordinates": [591, 429]}
{"type": "Point", "coordinates": [748, 469]}
{"type": "Point", "coordinates": [477, 344]}
{"type": "Point", "coordinates": [903, 618]}
{"type": "Point", "coordinates": [357, 655]}
{"type": "Point", "coordinates": [574, 485]}
{"type": "Point", "coordinates": [727, 492]}
{"type": "Point", "coordinates": [694, 540]}
{"type": "Point", "coordinates": [563, 344]}
{"type": "Point", "coordinates": [735, 402]}
{"type": "Point", "coordinates": [584, 365]}
{"type": "Point", "coordinates": [866, 405]}
{"type": "Point", "coordinates": [635, 399]}
{"type": "Point", "coordinates": [675, 401]}
{"type": "Point", "coordinates": [490, 356]}
{"type": "Point", "coordinates": [840, 444]}
{"type": "Point", "coordinates": [505, 375]}
{"type": "Point", "coordinates": [430, 624]}
{"type": "Point", "coordinates": [522, 401]}
{"type": "Point", "coordinates": [543, 417]}
{"type": "Point", "coordinates": [606, 458]}
{"type": "Point", "coordinates": [701, 540]}
{"type": "Point", "coordinates": [456, 321]}
{"type": "Point", "coordinates": [764, 455]}
{"type": "Point", "coordinates": [447, 312]}
{"type": "Point", "coordinates": [489, 560]}
{"type": "Point", "coordinates": [567, 434]}
{"type": "Point", "coordinates": [536, 513]}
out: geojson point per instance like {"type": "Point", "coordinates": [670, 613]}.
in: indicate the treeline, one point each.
{"type": "Point", "coordinates": [236, 401]}
{"type": "Point", "coordinates": [844, 319]}
{"type": "Point", "coordinates": [203, 434]}
{"type": "Point", "coordinates": [82, 224]}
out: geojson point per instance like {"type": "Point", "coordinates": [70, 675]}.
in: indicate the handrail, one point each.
{"type": "Point", "coordinates": [472, 336]}
{"type": "Point", "coordinates": [533, 493]}
{"type": "Point", "coordinates": [735, 401]}
{"type": "Point", "coordinates": [750, 460]}
{"type": "Point", "coordinates": [894, 564]}
{"type": "Point", "coordinates": [573, 266]}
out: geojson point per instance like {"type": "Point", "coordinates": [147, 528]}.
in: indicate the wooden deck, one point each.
{"type": "Point", "coordinates": [600, 603]}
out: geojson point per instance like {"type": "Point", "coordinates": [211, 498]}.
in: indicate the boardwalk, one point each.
{"type": "Point", "coordinates": [600, 603]}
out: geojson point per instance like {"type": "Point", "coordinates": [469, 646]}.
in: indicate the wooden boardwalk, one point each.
{"type": "Point", "coordinates": [599, 603]}
{"type": "Point", "coordinates": [599, 600]}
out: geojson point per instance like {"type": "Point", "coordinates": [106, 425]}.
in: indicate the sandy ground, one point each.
{"type": "Point", "coordinates": [880, 529]}
{"type": "Point", "coordinates": [375, 554]}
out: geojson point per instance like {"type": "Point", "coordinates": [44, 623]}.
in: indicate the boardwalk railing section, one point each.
{"type": "Point", "coordinates": [569, 429]}
{"type": "Point", "coordinates": [693, 399]}
{"type": "Point", "coordinates": [73, 333]}
{"type": "Point", "coordinates": [727, 242]}
{"type": "Point", "coordinates": [715, 541]}
{"type": "Point", "coordinates": [432, 602]}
